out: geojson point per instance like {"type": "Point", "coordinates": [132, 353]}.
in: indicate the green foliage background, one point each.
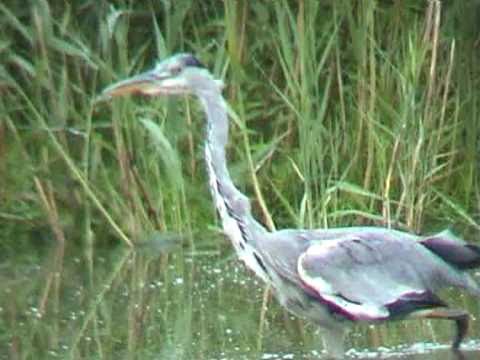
{"type": "Point", "coordinates": [346, 113]}
{"type": "Point", "coordinates": [343, 112]}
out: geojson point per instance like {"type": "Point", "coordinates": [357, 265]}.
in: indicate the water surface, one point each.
{"type": "Point", "coordinates": [178, 304]}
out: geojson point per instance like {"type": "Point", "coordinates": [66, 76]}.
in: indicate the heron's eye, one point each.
{"type": "Point", "coordinates": [175, 70]}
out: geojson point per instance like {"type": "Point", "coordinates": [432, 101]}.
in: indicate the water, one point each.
{"type": "Point", "coordinates": [176, 304]}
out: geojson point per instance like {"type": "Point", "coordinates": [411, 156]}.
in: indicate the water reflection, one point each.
{"type": "Point", "coordinates": [163, 302]}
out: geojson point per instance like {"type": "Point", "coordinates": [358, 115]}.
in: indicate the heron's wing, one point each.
{"type": "Point", "coordinates": [370, 278]}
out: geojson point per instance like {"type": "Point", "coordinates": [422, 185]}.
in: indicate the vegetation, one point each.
{"type": "Point", "coordinates": [344, 113]}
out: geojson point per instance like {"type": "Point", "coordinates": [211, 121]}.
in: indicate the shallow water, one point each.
{"type": "Point", "coordinates": [149, 304]}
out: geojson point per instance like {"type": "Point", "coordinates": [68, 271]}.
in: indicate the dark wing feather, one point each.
{"type": "Point", "coordinates": [453, 250]}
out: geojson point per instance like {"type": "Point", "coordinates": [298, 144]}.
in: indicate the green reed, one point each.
{"type": "Point", "coordinates": [342, 113]}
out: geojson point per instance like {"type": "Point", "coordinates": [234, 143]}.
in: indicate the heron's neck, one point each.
{"type": "Point", "coordinates": [230, 202]}
{"type": "Point", "coordinates": [233, 206]}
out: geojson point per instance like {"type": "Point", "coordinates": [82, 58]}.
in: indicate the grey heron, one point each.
{"type": "Point", "coordinates": [333, 277]}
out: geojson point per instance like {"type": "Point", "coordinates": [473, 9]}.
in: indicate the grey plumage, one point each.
{"type": "Point", "coordinates": [333, 277]}
{"type": "Point", "coordinates": [364, 271]}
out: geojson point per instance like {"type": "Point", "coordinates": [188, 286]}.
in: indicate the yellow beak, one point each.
{"type": "Point", "coordinates": [147, 83]}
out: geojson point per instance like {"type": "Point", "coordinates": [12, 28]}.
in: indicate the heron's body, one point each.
{"type": "Point", "coordinates": [333, 277]}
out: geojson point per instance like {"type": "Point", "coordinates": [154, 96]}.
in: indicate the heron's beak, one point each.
{"type": "Point", "coordinates": [148, 83]}
{"type": "Point", "coordinates": [144, 83]}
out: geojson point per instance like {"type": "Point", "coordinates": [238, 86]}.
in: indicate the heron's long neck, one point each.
{"type": "Point", "coordinates": [233, 206]}
{"type": "Point", "coordinates": [230, 202]}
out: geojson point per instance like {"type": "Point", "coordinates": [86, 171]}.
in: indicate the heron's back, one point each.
{"type": "Point", "coordinates": [370, 266]}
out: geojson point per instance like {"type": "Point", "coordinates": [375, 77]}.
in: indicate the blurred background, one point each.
{"type": "Point", "coordinates": [343, 113]}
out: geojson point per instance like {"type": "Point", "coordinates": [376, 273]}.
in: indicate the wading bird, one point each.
{"type": "Point", "coordinates": [333, 277]}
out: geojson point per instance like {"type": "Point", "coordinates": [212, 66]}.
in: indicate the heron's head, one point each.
{"type": "Point", "coordinates": [179, 74]}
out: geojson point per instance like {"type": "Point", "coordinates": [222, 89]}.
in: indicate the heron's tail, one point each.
{"type": "Point", "coordinates": [456, 252]}
{"type": "Point", "coordinates": [460, 255]}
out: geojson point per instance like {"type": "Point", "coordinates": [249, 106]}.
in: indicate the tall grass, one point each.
{"type": "Point", "coordinates": [347, 113]}
{"type": "Point", "coordinates": [342, 113]}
